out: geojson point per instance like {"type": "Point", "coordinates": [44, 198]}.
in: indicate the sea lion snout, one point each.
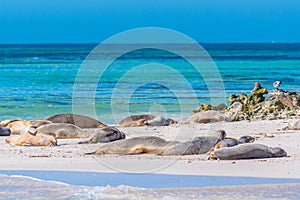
{"type": "Point", "coordinates": [247, 139]}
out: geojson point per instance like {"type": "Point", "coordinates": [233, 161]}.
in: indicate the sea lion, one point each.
{"type": "Point", "coordinates": [4, 123]}
{"type": "Point", "coordinates": [294, 125]}
{"type": "Point", "coordinates": [145, 120]}
{"type": "Point", "coordinates": [249, 151]}
{"type": "Point", "coordinates": [135, 120]}
{"type": "Point", "coordinates": [160, 121]}
{"type": "Point", "coordinates": [40, 122]}
{"type": "Point", "coordinates": [4, 131]}
{"type": "Point", "coordinates": [61, 130]}
{"type": "Point", "coordinates": [157, 145]}
{"type": "Point", "coordinates": [16, 126]}
{"type": "Point", "coordinates": [143, 144]}
{"type": "Point", "coordinates": [230, 142]}
{"type": "Point", "coordinates": [78, 120]}
{"type": "Point", "coordinates": [207, 117]}
{"type": "Point", "coordinates": [199, 145]}
{"type": "Point", "coordinates": [29, 137]}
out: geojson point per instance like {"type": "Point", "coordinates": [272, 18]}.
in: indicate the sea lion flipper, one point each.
{"type": "Point", "coordinates": [90, 153]}
{"type": "Point", "coordinates": [26, 144]}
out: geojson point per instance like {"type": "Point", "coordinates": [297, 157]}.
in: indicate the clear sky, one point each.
{"type": "Point", "coordinates": [81, 21]}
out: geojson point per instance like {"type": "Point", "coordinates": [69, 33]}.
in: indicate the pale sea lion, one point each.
{"type": "Point", "coordinates": [294, 125]}
{"type": "Point", "coordinates": [249, 151]}
{"type": "Point", "coordinates": [16, 126]}
{"type": "Point", "coordinates": [78, 120]}
{"type": "Point", "coordinates": [4, 123]}
{"type": "Point", "coordinates": [207, 117]}
{"type": "Point", "coordinates": [145, 120]}
{"type": "Point", "coordinates": [160, 121]}
{"type": "Point", "coordinates": [29, 137]}
{"type": "Point", "coordinates": [40, 122]}
{"type": "Point", "coordinates": [157, 145]}
{"type": "Point", "coordinates": [143, 144]}
{"type": "Point", "coordinates": [135, 120]}
{"type": "Point", "coordinates": [61, 130]}
{"type": "Point", "coordinates": [4, 131]}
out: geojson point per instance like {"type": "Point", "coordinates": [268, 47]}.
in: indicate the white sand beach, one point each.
{"type": "Point", "coordinates": [69, 156]}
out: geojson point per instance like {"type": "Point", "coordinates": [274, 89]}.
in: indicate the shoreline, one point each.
{"type": "Point", "coordinates": [147, 181]}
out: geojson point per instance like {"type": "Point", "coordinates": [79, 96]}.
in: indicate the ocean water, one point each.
{"type": "Point", "coordinates": [56, 185]}
{"type": "Point", "coordinates": [38, 81]}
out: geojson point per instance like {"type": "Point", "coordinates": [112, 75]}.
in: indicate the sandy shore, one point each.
{"type": "Point", "coordinates": [68, 156]}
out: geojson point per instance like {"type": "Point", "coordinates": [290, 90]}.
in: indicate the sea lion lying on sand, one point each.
{"type": "Point", "coordinates": [136, 145]}
{"type": "Point", "coordinates": [199, 145]}
{"type": "Point", "coordinates": [293, 126]}
{"type": "Point", "coordinates": [145, 120]}
{"type": "Point", "coordinates": [29, 137]}
{"type": "Point", "coordinates": [207, 117]}
{"type": "Point", "coordinates": [17, 125]}
{"type": "Point", "coordinates": [4, 131]}
{"type": "Point", "coordinates": [249, 151]}
{"type": "Point", "coordinates": [157, 145]}
{"type": "Point", "coordinates": [79, 120]}
{"type": "Point", "coordinates": [230, 142]}
{"type": "Point", "coordinates": [94, 135]}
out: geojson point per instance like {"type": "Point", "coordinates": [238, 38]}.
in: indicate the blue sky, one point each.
{"type": "Point", "coordinates": [80, 21]}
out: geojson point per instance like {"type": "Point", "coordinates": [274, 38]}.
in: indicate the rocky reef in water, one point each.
{"type": "Point", "coordinates": [279, 104]}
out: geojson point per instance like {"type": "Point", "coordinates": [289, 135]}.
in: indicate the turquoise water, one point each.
{"type": "Point", "coordinates": [82, 185]}
{"type": "Point", "coordinates": [37, 81]}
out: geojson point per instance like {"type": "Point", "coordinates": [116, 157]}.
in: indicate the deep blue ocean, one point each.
{"type": "Point", "coordinates": [37, 81]}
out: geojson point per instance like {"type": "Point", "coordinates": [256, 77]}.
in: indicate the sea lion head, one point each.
{"type": "Point", "coordinates": [247, 139]}
{"type": "Point", "coordinates": [31, 130]}
{"type": "Point", "coordinates": [172, 121]}
{"type": "Point", "coordinates": [112, 134]}
{"type": "Point", "coordinates": [278, 152]}
{"type": "Point", "coordinates": [221, 134]}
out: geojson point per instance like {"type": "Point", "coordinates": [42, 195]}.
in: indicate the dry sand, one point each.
{"type": "Point", "coordinates": [69, 156]}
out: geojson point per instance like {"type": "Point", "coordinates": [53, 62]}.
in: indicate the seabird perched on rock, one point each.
{"type": "Point", "coordinates": [276, 84]}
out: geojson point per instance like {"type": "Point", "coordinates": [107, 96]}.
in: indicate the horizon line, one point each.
{"type": "Point", "coordinates": [94, 43]}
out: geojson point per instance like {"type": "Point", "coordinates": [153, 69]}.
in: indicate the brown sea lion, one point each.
{"type": "Point", "coordinates": [94, 135]}
{"type": "Point", "coordinates": [29, 137]}
{"type": "Point", "coordinates": [78, 120]}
